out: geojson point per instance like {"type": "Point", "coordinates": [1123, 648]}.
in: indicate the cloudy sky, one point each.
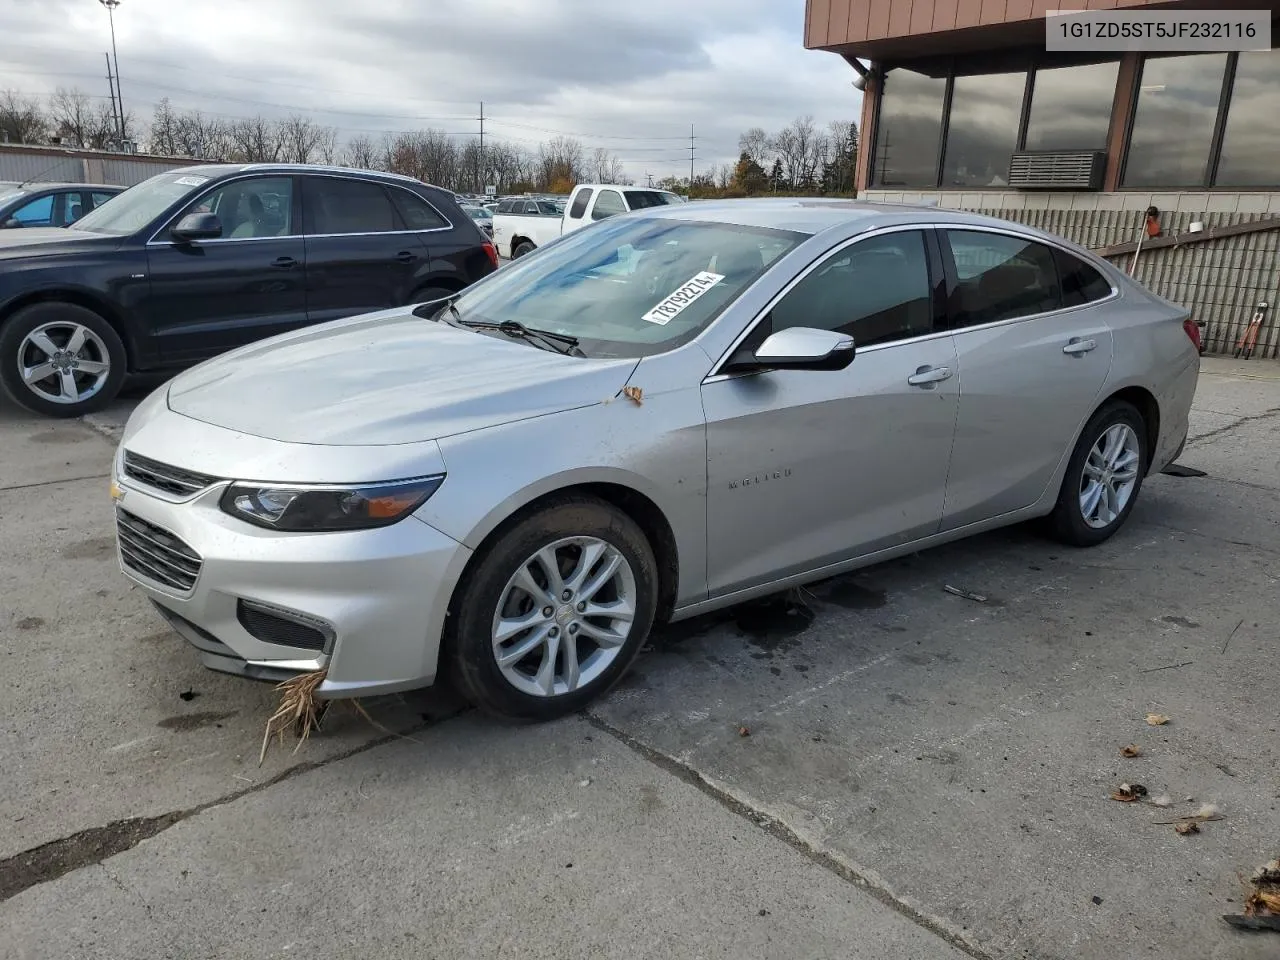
{"type": "Point", "coordinates": [630, 77]}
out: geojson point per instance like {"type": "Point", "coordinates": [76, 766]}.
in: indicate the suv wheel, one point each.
{"type": "Point", "coordinates": [60, 359]}
{"type": "Point", "coordinates": [554, 611]}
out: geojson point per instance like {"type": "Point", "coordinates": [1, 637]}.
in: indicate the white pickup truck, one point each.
{"type": "Point", "coordinates": [520, 226]}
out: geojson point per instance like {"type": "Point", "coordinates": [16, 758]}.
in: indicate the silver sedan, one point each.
{"type": "Point", "coordinates": [667, 413]}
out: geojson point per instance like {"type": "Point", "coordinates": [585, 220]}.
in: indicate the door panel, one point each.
{"type": "Point", "coordinates": [212, 295]}
{"type": "Point", "coordinates": [359, 256]}
{"type": "Point", "coordinates": [1026, 385]}
{"type": "Point", "coordinates": [808, 468]}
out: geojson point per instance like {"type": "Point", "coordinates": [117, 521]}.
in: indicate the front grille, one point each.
{"type": "Point", "coordinates": [155, 553]}
{"type": "Point", "coordinates": [262, 624]}
{"type": "Point", "coordinates": [162, 476]}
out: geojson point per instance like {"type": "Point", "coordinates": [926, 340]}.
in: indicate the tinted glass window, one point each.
{"type": "Point", "coordinates": [73, 208]}
{"type": "Point", "coordinates": [504, 206]}
{"type": "Point", "coordinates": [100, 198]}
{"type": "Point", "coordinates": [580, 204]}
{"type": "Point", "coordinates": [983, 131]}
{"type": "Point", "coordinates": [875, 291]}
{"type": "Point", "coordinates": [1071, 107]}
{"type": "Point", "coordinates": [416, 213]}
{"type": "Point", "coordinates": [1172, 129]}
{"type": "Point", "coordinates": [261, 207]}
{"type": "Point", "coordinates": [608, 204]}
{"type": "Point", "coordinates": [138, 206]}
{"type": "Point", "coordinates": [640, 199]}
{"type": "Point", "coordinates": [1251, 142]}
{"type": "Point", "coordinates": [529, 208]}
{"type": "Point", "coordinates": [630, 287]}
{"type": "Point", "coordinates": [37, 213]}
{"type": "Point", "coordinates": [1081, 283]}
{"type": "Point", "coordinates": [335, 205]}
{"type": "Point", "coordinates": [1001, 278]}
{"type": "Point", "coordinates": [910, 130]}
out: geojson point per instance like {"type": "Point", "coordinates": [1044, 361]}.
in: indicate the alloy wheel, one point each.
{"type": "Point", "coordinates": [1110, 476]}
{"type": "Point", "coordinates": [63, 362]}
{"type": "Point", "coordinates": [564, 616]}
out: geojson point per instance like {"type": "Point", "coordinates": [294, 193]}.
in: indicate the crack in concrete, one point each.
{"type": "Point", "coordinates": [54, 859]}
{"type": "Point", "coordinates": [1219, 431]}
{"type": "Point", "coordinates": [851, 874]}
{"type": "Point", "coordinates": [49, 483]}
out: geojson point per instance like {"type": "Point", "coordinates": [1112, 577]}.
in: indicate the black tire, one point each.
{"type": "Point", "coordinates": [522, 248]}
{"type": "Point", "coordinates": [469, 652]}
{"type": "Point", "coordinates": [12, 337]}
{"type": "Point", "coordinates": [1067, 522]}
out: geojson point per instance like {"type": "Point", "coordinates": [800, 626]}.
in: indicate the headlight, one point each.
{"type": "Point", "coordinates": [325, 508]}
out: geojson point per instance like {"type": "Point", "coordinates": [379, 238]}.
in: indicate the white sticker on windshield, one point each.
{"type": "Point", "coordinates": [192, 181]}
{"type": "Point", "coordinates": [670, 308]}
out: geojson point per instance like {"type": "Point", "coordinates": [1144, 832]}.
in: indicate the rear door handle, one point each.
{"type": "Point", "coordinates": [927, 376]}
{"type": "Point", "coordinates": [1078, 347]}
{"type": "Point", "coordinates": [404, 256]}
{"type": "Point", "coordinates": [284, 263]}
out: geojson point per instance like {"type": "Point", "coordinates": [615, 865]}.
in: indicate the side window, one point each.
{"type": "Point", "coordinates": [1001, 278]}
{"type": "Point", "coordinates": [608, 204]}
{"type": "Point", "coordinates": [416, 212]}
{"type": "Point", "coordinates": [504, 207]}
{"type": "Point", "coordinates": [73, 208]}
{"type": "Point", "coordinates": [333, 205]}
{"type": "Point", "coordinates": [37, 213]}
{"type": "Point", "coordinates": [1081, 283]}
{"type": "Point", "coordinates": [579, 208]}
{"type": "Point", "coordinates": [876, 290]}
{"type": "Point", "coordinates": [100, 198]}
{"type": "Point", "coordinates": [248, 209]}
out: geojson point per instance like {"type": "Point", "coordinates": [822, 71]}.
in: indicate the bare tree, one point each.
{"type": "Point", "coordinates": [22, 119]}
{"type": "Point", "coordinates": [508, 164]}
{"type": "Point", "coordinates": [164, 129]}
{"type": "Point", "coordinates": [206, 138]}
{"type": "Point", "coordinates": [360, 152]}
{"type": "Point", "coordinates": [72, 116]}
{"type": "Point", "coordinates": [757, 145]}
{"type": "Point", "coordinates": [799, 145]}
{"type": "Point", "coordinates": [560, 162]}
{"type": "Point", "coordinates": [724, 175]}
{"type": "Point", "coordinates": [254, 140]}
{"type": "Point", "coordinates": [327, 148]}
{"type": "Point", "coordinates": [301, 139]}
{"type": "Point", "coordinates": [607, 167]}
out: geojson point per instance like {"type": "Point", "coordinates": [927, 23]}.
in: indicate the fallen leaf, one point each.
{"type": "Point", "coordinates": [744, 731]}
{"type": "Point", "coordinates": [634, 393]}
{"type": "Point", "coordinates": [1269, 900]}
{"type": "Point", "coordinates": [1267, 873]}
{"type": "Point", "coordinates": [1131, 751]}
{"type": "Point", "coordinates": [1157, 719]}
{"type": "Point", "coordinates": [1129, 792]}
{"type": "Point", "coordinates": [1186, 827]}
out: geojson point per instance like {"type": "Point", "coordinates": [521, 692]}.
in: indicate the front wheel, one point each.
{"type": "Point", "coordinates": [554, 611]}
{"type": "Point", "coordinates": [1104, 477]}
{"type": "Point", "coordinates": [522, 249]}
{"type": "Point", "coordinates": [60, 359]}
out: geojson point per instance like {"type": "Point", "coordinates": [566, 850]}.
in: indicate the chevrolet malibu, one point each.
{"type": "Point", "coordinates": [673, 411]}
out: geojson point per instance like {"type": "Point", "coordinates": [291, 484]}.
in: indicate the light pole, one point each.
{"type": "Point", "coordinates": [111, 15]}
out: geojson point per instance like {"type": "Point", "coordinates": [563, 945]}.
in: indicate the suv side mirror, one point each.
{"type": "Point", "coordinates": [197, 226]}
{"type": "Point", "coordinates": [806, 348]}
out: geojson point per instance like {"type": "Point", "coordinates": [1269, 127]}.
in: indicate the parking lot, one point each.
{"type": "Point", "coordinates": [873, 767]}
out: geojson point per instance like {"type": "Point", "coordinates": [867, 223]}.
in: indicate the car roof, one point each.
{"type": "Point", "coordinates": [35, 186]}
{"type": "Point", "coordinates": [225, 169]}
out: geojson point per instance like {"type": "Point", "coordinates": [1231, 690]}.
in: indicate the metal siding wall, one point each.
{"type": "Point", "coordinates": [1220, 281]}
{"type": "Point", "coordinates": [19, 166]}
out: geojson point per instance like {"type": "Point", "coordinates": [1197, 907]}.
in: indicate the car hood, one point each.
{"type": "Point", "coordinates": [43, 241]}
{"type": "Point", "coordinates": [387, 378]}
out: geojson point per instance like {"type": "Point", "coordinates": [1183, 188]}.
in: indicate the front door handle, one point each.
{"type": "Point", "coordinates": [404, 256]}
{"type": "Point", "coordinates": [928, 376]}
{"type": "Point", "coordinates": [1077, 347]}
{"type": "Point", "coordinates": [284, 263]}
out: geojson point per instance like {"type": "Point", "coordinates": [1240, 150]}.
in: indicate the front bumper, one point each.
{"type": "Point", "coordinates": [377, 598]}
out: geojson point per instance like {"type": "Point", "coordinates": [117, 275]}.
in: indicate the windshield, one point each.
{"type": "Point", "coordinates": [129, 212]}
{"type": "Point", "coordinates": [639, 199]}
{"type": "Point", "coordinates": [630, 288]}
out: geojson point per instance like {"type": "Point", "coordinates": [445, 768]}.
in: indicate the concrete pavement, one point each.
{"type": "Point", "coordinates": [925, 775]}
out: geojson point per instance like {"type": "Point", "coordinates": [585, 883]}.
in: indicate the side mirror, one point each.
{"type": "Point", "coordinates": [806, 348]}
{"type": "Point", "coordinates": [11, 223]}
{"type": "Point", "coordinates": [197, 226]}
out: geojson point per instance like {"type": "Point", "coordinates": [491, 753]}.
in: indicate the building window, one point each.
{"type": "Point", "coordinates": [909, 129]}
{"type": "Point", "coordinates": [1071, 107]}
{"type": "Point", "coordinates": [1251, 139]}
{"type": "Point", "coordinates": [1173, 127]}
{"type": "Point", "coordinates": [986, 112]}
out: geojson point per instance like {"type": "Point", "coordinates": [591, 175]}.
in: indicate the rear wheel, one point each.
{"type": "Point", "coordinates": [522, 248]}
{"type": "Point", "coordinates": [554, 611]}
{"type": "Point", "coordinates": [60, 359]}
{"type": "Point", "coordinates": [1103, 477]}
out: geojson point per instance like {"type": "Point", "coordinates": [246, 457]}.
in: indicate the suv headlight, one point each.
{"type": "Point", "coordinates": [327, 508]}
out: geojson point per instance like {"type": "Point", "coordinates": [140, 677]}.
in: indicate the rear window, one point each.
{"type": "Point", "coordinates": [416, 212]}
{"type": "Point", "coordinates": [640, 199]}
{"type": "Point", "coordinates": [1081, 283]}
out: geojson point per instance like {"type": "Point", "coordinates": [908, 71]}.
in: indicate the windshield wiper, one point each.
{"type": "Point", "coordinates": [550, 340]}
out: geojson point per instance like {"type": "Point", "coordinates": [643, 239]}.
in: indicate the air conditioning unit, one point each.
{"type": "Point", "coordinates": [1057, 170]}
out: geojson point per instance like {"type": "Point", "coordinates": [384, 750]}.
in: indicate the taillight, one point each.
{"type": "Point", "coordinates": [491, 252]}
{"type": "Point", "coordinates": [1193, 331]}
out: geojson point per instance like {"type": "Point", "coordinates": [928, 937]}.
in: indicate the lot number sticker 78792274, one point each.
{"type": "Point", "coordinates": [671, 307]}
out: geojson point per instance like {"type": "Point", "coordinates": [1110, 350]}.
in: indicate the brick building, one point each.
{"type": "Point", "coordinates": [964, 107]}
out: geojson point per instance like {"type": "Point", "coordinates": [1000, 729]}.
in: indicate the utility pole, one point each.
{"type": "Point", "coordinates": [111, 15]}
{"type": "Point", "coordinates": [112, 90]}
{"type": "Point", "coordinates": [649, 177]}
{"type": "Point", "coordinates": [483, 172]}
{"type": "Point", "coordinates": [692, 150]}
